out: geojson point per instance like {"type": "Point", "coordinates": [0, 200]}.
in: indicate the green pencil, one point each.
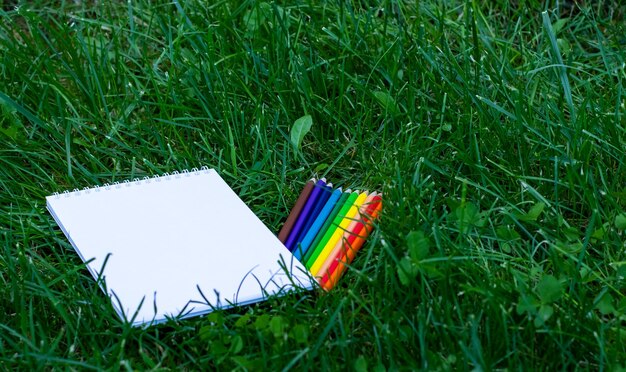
{"type": "Point", "coordinates": [329, 220]}
{"type": "Point", "coordinates": [336, 222]}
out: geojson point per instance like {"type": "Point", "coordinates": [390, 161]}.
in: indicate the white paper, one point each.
{"type": "Point", "coordinates": [166, 237]}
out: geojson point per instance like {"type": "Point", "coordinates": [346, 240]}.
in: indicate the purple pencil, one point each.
{"type": "Point", "coordinates": [304, 215]}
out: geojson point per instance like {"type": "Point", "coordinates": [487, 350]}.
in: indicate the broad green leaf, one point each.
{"type": "Point", "coordinates": [564, 46]}
{"type": "Point", "coordinates": [299, 129]}
{"type": "Point", "coordinates": [535, 271]}
{"type": "Point", "coordinates": [452, 203]}
{"type": "Point", "coordinates": [360, 364]}
{"type": "Point", "coordinates": [282, 16]}
{"type": "Point", "coordinates": [262, 322]}
{"type": "Point", "coordinates": [387, 102]}
{"type": "Point", "coordinates": [379, 368]}
{"type": "Point", "coordinates": [549, 289]}
{"type": "Point", "coordinates": [467, 212]}
{"type": "Point", "coordinates": [535, 211]}
{"type": "Point", "coordinates": [242, 321]}
{"type": "Point", "coordinates": [572, 233]}
{"type": "Point", "coordinates": [320, 167]}
{"type": "Point", "coordinates": [558, 25]}
{"type": "Point", "coordinates": [545, 312]}
{"type": "Point", "coordinates": [236, 344]}
{"type": "Point", "coordinates": [215, 318]}
{"type": "Point", "coordinates": [264, 14]}
{"type": "Point", "coordinates": [507, 233]}
{"type": "Point", "coordinates": [601, 232]}
{"type": "Point", "coordinates": [584, 274]}
{"type": "Point", "coordinates": [571, 248]}
{"type": "Point", "coordinates": [217, 347]}
{"type": "Point", "coordinates": [247, 364]}
{"type": "Point", "coordinates": [11, 131]}
{"type": "Point", "coordinates": [605, 305]}
{"type": "Point", "coordinates": [533, 214]}
{"type": "Point", "coordinates": [430, 271]}
{"type": "Point", "coordinates": [300, 333]}
{"type": "Point", "coordinates": [406, 271]}
{"type": "Point", "coordinates": [419, 245]}
{"type": "Point", "coordinates": [467, 216]}
{"type": "Point", "coordinates": [255, 18]}
{"type": "Point", "coordinates": [277, 325]}
{"type": "Point", "coordinates": [206, 332]}
{"type": "Point", "coordinates": [620, 221]}
{"type": "Point", "coordinates": [526, 304]}
{"type": "Point", "coordinates": [9, 123]}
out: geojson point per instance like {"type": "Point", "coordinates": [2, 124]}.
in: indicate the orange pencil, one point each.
{"type": "Point", "coordinates": [350, 231]}
{"type": "Point", "coordinates": [337, 234]}
{"type": "Point", "coordinates": [338, 267]}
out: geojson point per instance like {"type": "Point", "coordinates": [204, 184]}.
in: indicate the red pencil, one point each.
{"type": "Point", "coordinates": [353, 240]}
{"type": "Point", "coordinates": [353, 229]}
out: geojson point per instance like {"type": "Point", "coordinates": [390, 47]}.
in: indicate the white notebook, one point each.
{"type": "Point", "coordinates": [179, 245]}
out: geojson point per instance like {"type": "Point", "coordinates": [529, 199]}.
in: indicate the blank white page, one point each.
{"type": "Point", "coordinates": [182, 244]}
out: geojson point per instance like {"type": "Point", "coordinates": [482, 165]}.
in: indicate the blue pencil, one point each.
{"type": "Point", "coordinates": [300, 251]}
{"type": "Point", "coordinates": [304, 214]}
{"type": "Point", "coordinates": [319, 204]}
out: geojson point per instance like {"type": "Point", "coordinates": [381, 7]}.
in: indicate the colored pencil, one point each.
{"type": "Point", "coordinates": [329, 221]}
{"type": "Point", "coordinates": [327, 234]}
{"type": "Point", "coordinates": [315, 228]}
{"type": "Point", "coordinates": [295, 211]}
{"type": "Point", "coordinates": [347, 218]}
{"type": "Point", "coordinates": [350, 231]}
{"type": "Point", "coordinates": [305, 214]}
{"type": "Point", "coordinates": [338, 269]}
{"type": "Point", "coordinates": [319, 204]}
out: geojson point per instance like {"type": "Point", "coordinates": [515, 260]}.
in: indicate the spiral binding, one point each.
{"type": "Point", "coordinates": [135, 181]}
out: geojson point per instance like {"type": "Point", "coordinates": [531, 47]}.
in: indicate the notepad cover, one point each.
{"type": "Point", "coordinates": [179, 245]}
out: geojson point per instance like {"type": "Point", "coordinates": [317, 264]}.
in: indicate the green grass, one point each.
{"type": "Point", "coordinates": [496, 131]}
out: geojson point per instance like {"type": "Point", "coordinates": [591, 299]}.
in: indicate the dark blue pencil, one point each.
{"type": "Point", "coordinates": [321, 201]}
{"type": "Point", "coordinates": [304, 215]}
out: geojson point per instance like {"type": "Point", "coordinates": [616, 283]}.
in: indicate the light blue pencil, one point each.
{"type": "Point", "coordinates": [301, 249]}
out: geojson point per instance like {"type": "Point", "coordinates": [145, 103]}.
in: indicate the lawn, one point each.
{"type": "Point", "coordinates": [496, 131]}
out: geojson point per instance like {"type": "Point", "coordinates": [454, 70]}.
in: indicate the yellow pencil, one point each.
{"type": "Point", "coordinates": [346, 235]}
{"type": "Point", "coordinates": [353, 248]}
{"type": "Point", "coordinates": [354, 209]}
